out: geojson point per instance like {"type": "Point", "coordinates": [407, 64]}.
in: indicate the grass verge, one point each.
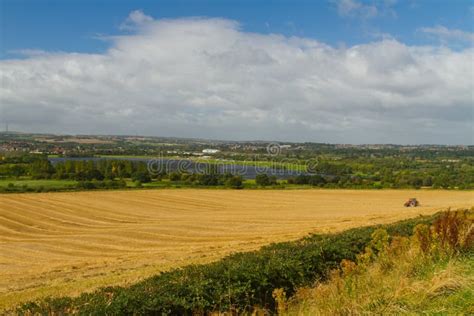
{"type": "Point", "coordinates": [431, 272]}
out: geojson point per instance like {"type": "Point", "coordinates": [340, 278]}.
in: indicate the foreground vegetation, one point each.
{"type": "Point", "coordinates": [239, 283]}
{"type": "Point", "coordinates": [431, 272]}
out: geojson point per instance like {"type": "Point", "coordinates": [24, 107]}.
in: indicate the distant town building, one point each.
{"type": "Point", "coordinates": [210, 151]}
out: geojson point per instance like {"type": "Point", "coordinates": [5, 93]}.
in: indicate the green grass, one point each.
{"type": "Point", "coordinates": [162, 184]}
{"type": "Point", "coordinates": [57, 184]}
{"type": "Point", "coordinates": [258, 163]}
{"type": "Point", "coordinates": [247, 184]}
{"type": "Point", "coordinates": [19, 185]}
{"type": "Point", "coordinates": [445, 287]}
{"type": "Point", "coordinates": [127, 156]}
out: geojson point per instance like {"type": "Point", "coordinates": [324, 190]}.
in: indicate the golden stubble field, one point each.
{"type": "Point", "coordinates": [66, 243]}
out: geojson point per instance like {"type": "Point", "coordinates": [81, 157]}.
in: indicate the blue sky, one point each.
{"type": "Point", "coordinates": [75, 25]}
{"type": "Point", "coordinates": [338, 71]}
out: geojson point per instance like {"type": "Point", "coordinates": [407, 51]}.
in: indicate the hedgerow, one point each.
{"type": "Point", "coordinates": [237, 283]}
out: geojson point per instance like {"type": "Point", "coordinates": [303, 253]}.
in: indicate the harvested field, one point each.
{"type": "Point", "coordinates": [65, 243]}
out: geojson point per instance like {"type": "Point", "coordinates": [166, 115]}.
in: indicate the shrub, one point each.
{"type": "Point", "coordinates": [422, 234]}
{"type": "Point", "coordinates": [264, 180]}
{"type": "Point", "coordinates": [234, 182]}
{"type": "Point", "coordinates": [87, 185]}
{"type": "Point", "coordinates": [452, 232]}
{"type": "Point", "coordinates": [40, 189]}
{"type": "Point", "coordinates": [208, 179]}
{"type": "Point", "coordinates": [112, 184]}
{"type": "Point", "coordinates": [316, 180]}
{"type": "Point", "coordinates": [138, 184]}
{"type": "Point", "coordinates": [141, 176]}
{"type": "Point", "coordinates": [175, 176]}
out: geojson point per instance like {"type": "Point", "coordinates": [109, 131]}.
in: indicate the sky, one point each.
{"type": "Point", "coordinates": [337, 71]}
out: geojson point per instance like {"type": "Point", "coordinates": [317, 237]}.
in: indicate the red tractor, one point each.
{"type": "Point", "coordinates": [413, 202]}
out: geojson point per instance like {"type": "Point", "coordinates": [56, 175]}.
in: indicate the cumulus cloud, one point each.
{"type": "Point", "coordinates": [208, 78]}
{"type": "Point", "coordinates": [136, 19]}
{"type": "Point", "coordinates": [367, 9]}
{"type": "Point", "coordinates": [445, 34]}
{"type": "Point", "coordinates": [355, 8]}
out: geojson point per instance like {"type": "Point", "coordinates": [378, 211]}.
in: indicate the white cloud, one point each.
{"type": "Point", "coordinates": [365, 9]}
{"type": "Point", "coordinates": [136, 19]}
{"type": "Point", "coordinates": [446, 35]}
{"type": "Point", "coordinates": [207, 78]}
{"type": "Point", "coordinates": [29, 52]}
{"type": "Point", "coordinates": [355, 8]}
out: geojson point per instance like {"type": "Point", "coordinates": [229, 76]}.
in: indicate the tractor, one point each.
{"type": "Point", "coordinates": [412, 202]}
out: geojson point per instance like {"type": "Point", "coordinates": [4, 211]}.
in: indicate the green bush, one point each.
{"type": "Point", "coordinates": [264, 180]}
{"type": "Point", "coordinates": [174, 176]}
{"type": "Point", "coordinates": [106, 184]}
{"type": "Point", "coordinates": [235, 182]}
{"type": "Point", "coordinates": [143, 177]}
{"type": "Point", "coordinates": [138, 184]}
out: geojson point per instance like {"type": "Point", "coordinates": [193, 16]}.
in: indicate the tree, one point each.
{"type": "Point", "coordinates": [428, 181]}
{"type": "Point", "coordinates": [316, 180]}
{"type": "Point", "coordinates": [94, 174]}
{"type": "Point", "coordinates": [174, 176]}
{"type": "Point", "coordinates": [41, 169]}
{"type": "Point", "coordinates": [17, 171]}
{"type": "Point", "coordinates": [141, 176]}
{"type": "Point", "coordinates": [263, 179]}
{"type": "Point", "coordinates": [302, 179]}
{"type": "Point", "coordinates": [209, 179]}
{"type": "Point", "coordinates": [417, 182]}
{"type": "Point", "coordinates": [234, 182]}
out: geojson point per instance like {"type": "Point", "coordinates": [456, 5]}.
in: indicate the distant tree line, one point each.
{"type": "Point", "coordinates": [106, 173]}
{"type": "Point", "coordinates": [356, 173]}
{"type": "Point", "coordinates": [209, 177]}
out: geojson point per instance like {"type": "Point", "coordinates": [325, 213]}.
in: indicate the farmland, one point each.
{"type": "Point", "coordinates": [66, 243]}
